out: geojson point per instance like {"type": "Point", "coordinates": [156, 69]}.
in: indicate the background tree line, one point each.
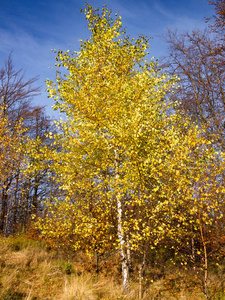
{"type": "Point", "coordinates": [198, 59]}
{"type": "Point", "coordinates": [21, 123]}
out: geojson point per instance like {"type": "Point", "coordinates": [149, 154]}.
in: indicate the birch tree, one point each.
{"type": "Point", "coordinates": [121, 144]}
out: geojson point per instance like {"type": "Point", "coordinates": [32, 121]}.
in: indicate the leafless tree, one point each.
{"type": "Point", "coordinates": [197, 58]}
{"type": "Point", "coordinates": [21, 194]}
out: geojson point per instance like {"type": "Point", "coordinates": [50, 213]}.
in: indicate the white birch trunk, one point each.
{"type": "Point", "coordinates": [121, 237]}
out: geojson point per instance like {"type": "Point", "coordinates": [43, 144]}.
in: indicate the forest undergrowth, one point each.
{"type": "Point", "coordinates": [31, 270]}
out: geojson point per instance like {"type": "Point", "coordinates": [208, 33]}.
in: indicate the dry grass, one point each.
{"type": "Point", "coordinates": [29, 271]}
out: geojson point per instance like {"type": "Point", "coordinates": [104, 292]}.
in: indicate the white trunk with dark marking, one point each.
{"type": "Point", "coordinates": [121, 237]}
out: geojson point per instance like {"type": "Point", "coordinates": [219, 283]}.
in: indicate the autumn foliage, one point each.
{"type": "Point", "coordinates": [133, 168]}
{"type": "Point", "coordinates": [136, 165]}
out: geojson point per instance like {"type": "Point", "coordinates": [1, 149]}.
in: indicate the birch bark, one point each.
{"type": "Point", "coordinates": [121, 237]}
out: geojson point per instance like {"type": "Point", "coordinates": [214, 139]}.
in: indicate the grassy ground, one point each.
{"type": "Point", "coordinates": [31, 271]}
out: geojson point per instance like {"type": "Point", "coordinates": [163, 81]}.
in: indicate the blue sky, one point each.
{"type": "Point", "coordinates": [31, 28]}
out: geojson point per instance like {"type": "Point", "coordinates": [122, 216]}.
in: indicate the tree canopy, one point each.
{"type": "Point", "coordinates": [128, 161]}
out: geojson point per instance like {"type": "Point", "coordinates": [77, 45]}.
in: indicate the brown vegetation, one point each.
{"type": "Point", "coordinates": [31, 270]}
